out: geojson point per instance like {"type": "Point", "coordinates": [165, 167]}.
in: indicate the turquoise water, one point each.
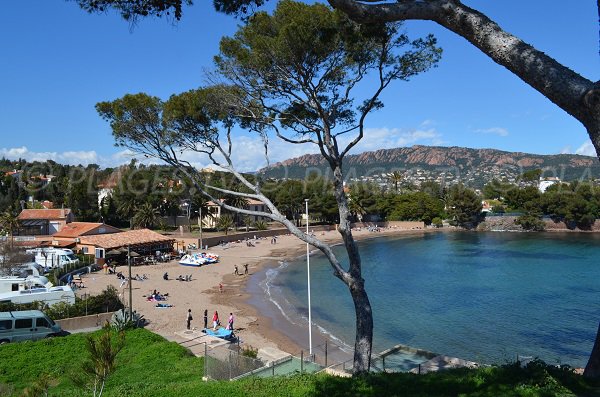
{"type": "Point", "coordinates": [486, 297]}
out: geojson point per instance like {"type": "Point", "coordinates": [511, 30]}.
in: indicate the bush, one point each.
{"type": "Point", "coordinates": [530, 222]}
{"type": "Point", "coordinates": [107, 301]}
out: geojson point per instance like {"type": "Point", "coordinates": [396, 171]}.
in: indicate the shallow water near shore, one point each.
{"type": "Point", "coordinates": [486, 297]}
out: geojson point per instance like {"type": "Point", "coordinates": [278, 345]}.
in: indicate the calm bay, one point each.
{"type": "Point", "coordinates": [486, 297]}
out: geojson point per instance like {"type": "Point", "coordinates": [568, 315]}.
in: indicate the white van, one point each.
{"type": "Point", "coordinates": [26, 325]}
{"type": "Point", "coordinates": [51, 258]}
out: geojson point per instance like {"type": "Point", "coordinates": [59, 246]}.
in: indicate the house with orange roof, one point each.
{"type": "Point", "coordinates": [43, 222]}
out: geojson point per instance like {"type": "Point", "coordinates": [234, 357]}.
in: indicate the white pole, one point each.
{"type": "Point", "coordinates": [200, 225]}
{"type": "Point", "coordinates": [308, 275]}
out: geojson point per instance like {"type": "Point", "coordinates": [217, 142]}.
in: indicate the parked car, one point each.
{"type": "Point", "coordinates": [26, 325]}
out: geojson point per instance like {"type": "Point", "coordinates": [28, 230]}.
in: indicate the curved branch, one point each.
{"type": "Point", "coordinates": [558, 83]}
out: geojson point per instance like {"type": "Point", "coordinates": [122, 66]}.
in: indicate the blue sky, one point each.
{"type": "Point", "coordinates": [57, 62]}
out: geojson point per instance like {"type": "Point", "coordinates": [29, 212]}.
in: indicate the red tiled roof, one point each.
{"type": "Point", "coordinates": [78, 229]}
{"type": "Point", "coordinates": [123, 239]}
{"type": "Point", "coordinates": [44, 214]}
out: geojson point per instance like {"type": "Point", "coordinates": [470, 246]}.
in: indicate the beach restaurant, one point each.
{"type": "Point", "coordinates": [143, 242]}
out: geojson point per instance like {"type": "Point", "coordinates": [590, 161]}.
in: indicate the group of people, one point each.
{"type": "Point", "coordinates": [215, 320]}
{"type": "Point", "coordinates": [236, 270]}
{"type": "Point", "coordinates": [187, 277]}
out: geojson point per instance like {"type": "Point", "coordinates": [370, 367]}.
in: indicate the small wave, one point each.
{"type": "Point", "coordinates": [277, 298]}
{"type": "Point", "coordinates": [268, 286]}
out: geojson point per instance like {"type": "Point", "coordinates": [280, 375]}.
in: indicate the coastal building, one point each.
{"type": "Point", "coordinates": [545, 183]}
{"type": "Point", "coordinates": [215, 211]}
{"type": "Point", "coordinates": [43, 222]}
{"type": "Point", "coordinates": [144, 242]}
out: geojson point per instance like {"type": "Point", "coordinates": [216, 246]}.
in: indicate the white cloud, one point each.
{"type": "Point", "coordinates": [248, 151]}
{"type": "Point", "coordinates": [389, 138]}
{"type": "Point", "coordinates": [566, 150]}
{"type": "Point", "coordinates": [586, 149]}
{"type": "Point", "coordinates": [494, 130]}
{"type": "Point", "coordinates": [68, 157]}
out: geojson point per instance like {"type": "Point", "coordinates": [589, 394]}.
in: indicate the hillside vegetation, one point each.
{"type": "Point", "coordinates": [150, 366]}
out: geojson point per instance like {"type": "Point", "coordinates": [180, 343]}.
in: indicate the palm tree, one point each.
{"type": "Point", "coordinates": [199, 204]}
{"type": "Point", "coordinates": [396, 178]}
{"type": "Point", "coordinates": [225, 222]}
{"type": "Point", "coordinates": [170, 207]}
{"type": "Point", "coordinates": [145, 216]}
{"type": "Point", "coordinates": [127, 205]}
{"type": "Point", "coordinates": [238, 202]}
{"type": "Point", "coordinates": [10, 223]}
{"type": "Point", "coordinates": [356, 207]}
{"type": "Point", "coordinates": [261, 225]}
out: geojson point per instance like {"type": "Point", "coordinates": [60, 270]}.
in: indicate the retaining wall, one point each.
{"type": "Point", "coordinates": [91, 321]}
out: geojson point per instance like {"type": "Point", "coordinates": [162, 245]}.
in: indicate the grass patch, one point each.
{"type": "Point", "coordinates": [150, 366]}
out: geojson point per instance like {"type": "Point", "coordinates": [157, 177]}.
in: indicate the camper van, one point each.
{"type": "Point", "coordinates": [26, 325]}
{"type": "Point", "coordinates": [51, 258]}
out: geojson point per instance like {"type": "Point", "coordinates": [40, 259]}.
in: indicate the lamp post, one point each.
{"type": "Point", "coordinates": [308, 276]}
{"type": "Point", "coordinates": [130, 294]}
{"type": "Point", "coordinates": [200, 224]}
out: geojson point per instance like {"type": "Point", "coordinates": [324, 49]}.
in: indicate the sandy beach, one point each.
{"type": "Point", "coordinates": [202, 292]}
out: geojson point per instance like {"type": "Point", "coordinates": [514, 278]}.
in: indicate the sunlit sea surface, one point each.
{"type": "Point", "coordinates": [486, 297]}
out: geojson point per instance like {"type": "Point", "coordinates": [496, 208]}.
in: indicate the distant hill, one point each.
{"type": "Point", "coordinates": [472, 166]}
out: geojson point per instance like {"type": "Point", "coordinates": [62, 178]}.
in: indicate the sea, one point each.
{"type": "Point", "coordinates": [490, 297]}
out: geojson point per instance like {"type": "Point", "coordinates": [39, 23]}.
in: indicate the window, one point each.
{"type": "Point", "coordinates": [15, 287]}
{"type": "Point", "coordinates": [99, 253]}
{"type": "Point", "coordinates": [5, 325]}
{"type": "Point", "coordinates": [42, 322]}
{"type": "Point", "coordinates": [84, 250]}
{"type": "Point", "coordinates": [23, 323]}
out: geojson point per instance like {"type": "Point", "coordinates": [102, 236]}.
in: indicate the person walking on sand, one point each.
{"type": "Point", "coordinates": [246, 268]}
{"type": "Point", "coordinates": [236, 270]}
{"type": "Point", "coordinates": [215, 320]}
{"type": "Point", "coordinates": [205, 318]}
{"type": "Point", "coordinates": [230, 322]}
{"type": "Point", "coordinates": [189, 318]}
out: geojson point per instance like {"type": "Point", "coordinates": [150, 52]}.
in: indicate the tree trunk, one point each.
{"type": "Point", "coordinates": [363, 343]}
{"type": "Point", "coordinates": [364, 328]}
{"type": "Point", "coordinates": [592, 369]}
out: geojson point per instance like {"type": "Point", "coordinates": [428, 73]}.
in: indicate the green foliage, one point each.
{"type": "Point", "coordinates": [531, 175]}
{"type": "Point", "coordinates": [140, 371]}
{"type": "Point", "coordinates": [146, 216]}
{"type": "Point", "coordinates": [416, 206]}
{"type": "Point", "coordinates": [224, 223]}
{"type": "Point", "coordinates": [249, 351]}
{"type": "Point", "coordinates": [517, 199]}
{"type": "Point", "coordinates": [107, 301]}
{"type": "Point", "coordinates": [463, 206]}
{"type": "Point", "coordinates": [531, 222]}
{"type": "Point", "coordinates": [101, 363]}
{"type": "Point", "coordinates": [122, 321]}
{"type": "Point", "coordinates": [261, 225]}
{"type": "Point", "coordinates": [131, 10]}
{"type": "Point", "coordinates": [437, 222]}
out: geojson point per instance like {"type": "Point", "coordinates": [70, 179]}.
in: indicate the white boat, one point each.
{"type": "Point", "coordinates": [49, 296]}
{"type": "Point", "coordinates": [198, 260]}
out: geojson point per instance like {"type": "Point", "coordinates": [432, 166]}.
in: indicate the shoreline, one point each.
{"type": "Point", "coordinates": [202, 293]}
{"type": "Point", "coordinates": [263, 325]}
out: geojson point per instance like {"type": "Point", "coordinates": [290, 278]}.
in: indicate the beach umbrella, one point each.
{"type": "Point", "coordinates": [114, 252]}
{"type": "Point", "coordinates": [133, 254]}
